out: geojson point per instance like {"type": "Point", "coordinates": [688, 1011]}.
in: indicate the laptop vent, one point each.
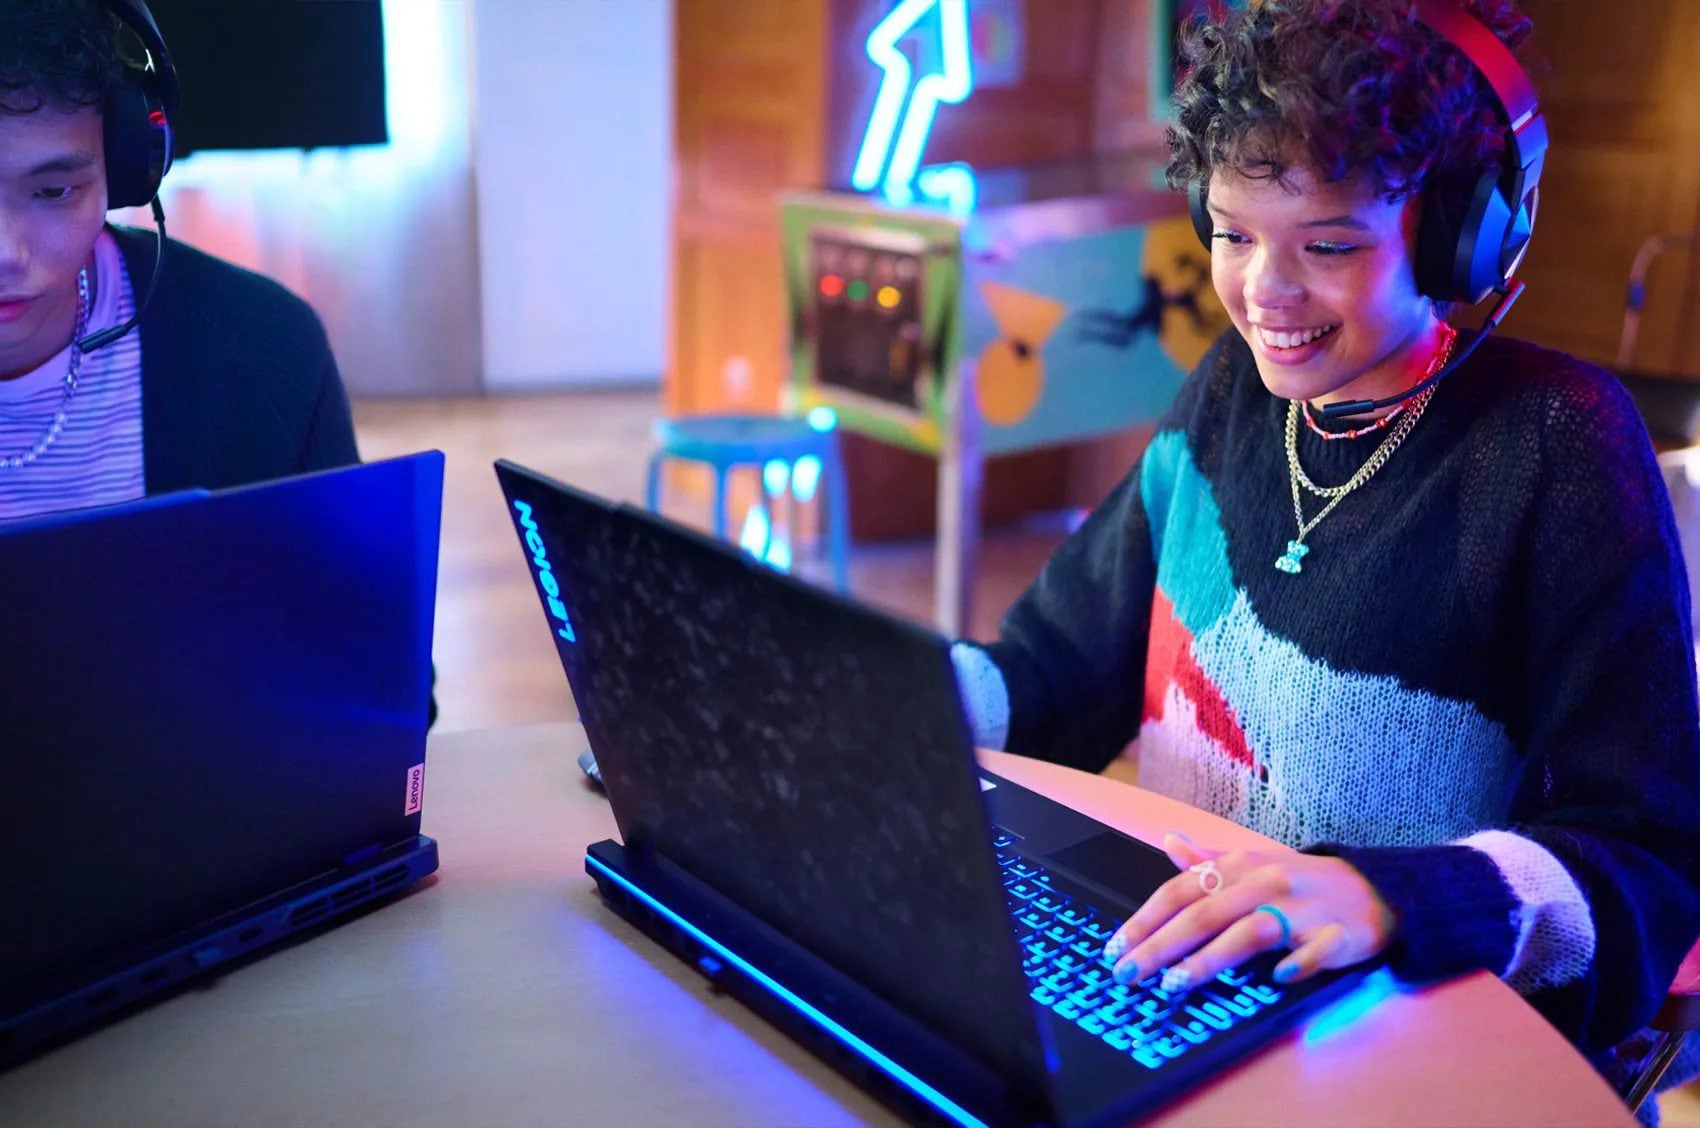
{"type": "Point", "coordinates": [344, 897]}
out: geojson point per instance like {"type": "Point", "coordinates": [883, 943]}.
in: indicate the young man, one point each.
{"type": "Point", "coordinates": [226, 380]}
{"type": "Point", "coordinates": [1442, 647]}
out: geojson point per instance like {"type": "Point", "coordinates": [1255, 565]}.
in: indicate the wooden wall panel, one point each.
{"type": "Point", "coordinates": [1123, 115]}
{"type": "Point", "coordinates": [750, 97]}
{"type": "Point", "coordinates": [1049, 115]}
{"type": "Point", "coordinates": [1625, 164]}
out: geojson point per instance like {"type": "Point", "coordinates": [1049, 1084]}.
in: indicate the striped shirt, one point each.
{"type": "Point", "coordinates": [97, 459]}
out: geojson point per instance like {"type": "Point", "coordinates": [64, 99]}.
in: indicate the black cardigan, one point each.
{"type": "Point", "coordinates": [238, 382]}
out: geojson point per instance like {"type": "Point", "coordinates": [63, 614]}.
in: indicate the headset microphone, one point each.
{"type": "Point", "coordinates": [106, 336]}
{"type": "Point", "coordinates": [1507, 298]}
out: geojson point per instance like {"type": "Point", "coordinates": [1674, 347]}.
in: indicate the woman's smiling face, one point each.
{"type": "Point", "coordinates": [1319, 280]}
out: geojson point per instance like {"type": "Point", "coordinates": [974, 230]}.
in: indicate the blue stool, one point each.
{"type": "Point", "coordinates": [729, 441]}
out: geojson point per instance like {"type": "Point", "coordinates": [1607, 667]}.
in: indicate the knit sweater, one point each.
{"type": "Point", "coordinates": [1479, 690]}
{"type": "Point", "coordinates": [238, 382]}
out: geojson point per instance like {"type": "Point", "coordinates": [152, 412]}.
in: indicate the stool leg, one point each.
{"type": "Point", "coordinates": [720, 475]}
{"type": "Point", "coordinates": [960, 468]}
{"type": "Point", "coordinates": [769, 512]}
{"type": "Point", "coordinates": [837, 517]}
{"type": "Point", "coordinates": [652, 493]}
{"type": "Point", "coordinates": [791, 508]}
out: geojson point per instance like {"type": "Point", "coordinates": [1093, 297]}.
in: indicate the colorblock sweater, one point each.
{"type": "Point", "coordinates": [1479, 690]}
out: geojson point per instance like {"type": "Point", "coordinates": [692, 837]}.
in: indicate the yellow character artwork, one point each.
{"type": "Point", "coordinates": [1176, 304]}
{"type": "Point", "coordinates": [1011, 370]}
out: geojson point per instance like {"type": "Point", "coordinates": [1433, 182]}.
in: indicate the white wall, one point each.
{"type": "Point", "coordinates": [572, 151]}
{"type": "Point", "coordinates": [379, 239]}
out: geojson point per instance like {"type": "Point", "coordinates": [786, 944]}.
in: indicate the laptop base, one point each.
{"type": "Point", "coordinates": [839, 1021]}
{"type": "Point", "coordinates": [236, 936]}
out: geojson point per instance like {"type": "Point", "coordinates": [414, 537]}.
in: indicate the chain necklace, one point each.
{"type": "Point", "coordinates": [1290, 561]}
{"type": "Point", "coordinates": [57, 424]}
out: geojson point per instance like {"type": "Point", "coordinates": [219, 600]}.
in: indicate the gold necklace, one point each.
{"type": "Point", "coordinates": [1290, 561]}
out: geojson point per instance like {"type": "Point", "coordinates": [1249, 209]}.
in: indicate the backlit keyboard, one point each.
{"type": "Point", "coordinates": [1062, 942]}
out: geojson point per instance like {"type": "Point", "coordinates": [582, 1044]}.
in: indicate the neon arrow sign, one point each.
{"type": "Point", "coordinates": [951, 85]}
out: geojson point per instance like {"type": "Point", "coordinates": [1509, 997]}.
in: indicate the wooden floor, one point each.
{"type": "Point", "coordinates": [495, 662]}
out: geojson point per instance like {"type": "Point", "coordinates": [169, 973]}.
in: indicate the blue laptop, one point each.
{"type": "Point", "coordinates": [214, 709]}
{"type": "Point", "coordinates": [802, 819]}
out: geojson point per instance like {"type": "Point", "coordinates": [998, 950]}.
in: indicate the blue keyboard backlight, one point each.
{"type": "Point", "coordinates": [1342, 1014]}
{"type": "Point", "coordinates": [1062, 944]}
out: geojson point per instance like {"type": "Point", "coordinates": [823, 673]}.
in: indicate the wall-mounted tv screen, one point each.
{"type": "Point", "coordinates": [276, 74]}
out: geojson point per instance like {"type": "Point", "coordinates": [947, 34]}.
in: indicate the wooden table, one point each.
{"type": "Point", "coordinates": [502, 992]}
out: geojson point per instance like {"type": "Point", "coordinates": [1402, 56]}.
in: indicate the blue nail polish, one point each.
{"type": "Point", "coordinates": [1127, 973]}
{"type": "Point", "coordinates": [1285, 972]}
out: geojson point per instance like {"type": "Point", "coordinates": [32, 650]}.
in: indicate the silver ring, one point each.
{"type": "Point", "coordinates": [1210, 878]}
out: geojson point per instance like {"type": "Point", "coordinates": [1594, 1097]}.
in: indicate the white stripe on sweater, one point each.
{"type": "Point", "coordinates": [1355, 758]}
{"type": "Point", "coordinates": [1555, 932]}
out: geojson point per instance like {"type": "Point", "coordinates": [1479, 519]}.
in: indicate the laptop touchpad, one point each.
{"type": "Point", "coordinates": [1123, 865]}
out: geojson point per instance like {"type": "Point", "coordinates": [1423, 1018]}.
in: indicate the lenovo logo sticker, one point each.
{"type": "Point", "coordinates": [415, 789]}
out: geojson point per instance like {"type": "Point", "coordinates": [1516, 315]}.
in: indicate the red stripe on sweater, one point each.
{"type": "Point", "coordinates": [1169, 661]}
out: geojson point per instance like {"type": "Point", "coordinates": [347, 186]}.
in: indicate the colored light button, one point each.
{"type": "Point", "coordinates": [888, 297]}
{"type": "Point", "coordinates": [858, 291]}
{"type": "Point", "coordinates": [831, 285]}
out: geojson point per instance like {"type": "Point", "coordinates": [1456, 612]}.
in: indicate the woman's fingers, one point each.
{"type": "Point", "coordinates": [1193, 927]}
{"type": "Point", "coordinates": [1246, 937]}
{"type": "Point", "coordinates": [1183, 853]}
{"type": "Point", "coordinates": [1312, 955]}
{"type": "Point", "coordinates": [1172, 897]}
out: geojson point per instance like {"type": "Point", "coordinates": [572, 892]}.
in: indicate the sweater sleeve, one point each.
{"type": "Point", "coordinates": [1071, 651]}
{"type": "Point", "coordinates": [1065, 679]}
{"type": "Point", "coordinates": [1586, 902]}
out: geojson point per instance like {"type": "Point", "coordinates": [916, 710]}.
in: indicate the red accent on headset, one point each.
{"type": "Point", "coordinates": [156, 117]}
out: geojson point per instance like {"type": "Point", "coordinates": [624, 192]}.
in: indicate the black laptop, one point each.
{"type": "Point", "coordinates": [212, 731]}
{"type": "Point", "coordinates": [803, 819]}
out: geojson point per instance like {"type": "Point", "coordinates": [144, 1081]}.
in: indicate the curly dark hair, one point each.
{"type": "Point", "coordinates": [60, 53]}
{"type": "Point", "coordinates": [1346, 87]}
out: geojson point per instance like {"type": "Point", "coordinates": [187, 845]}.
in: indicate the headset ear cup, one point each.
{"type": "Point", "coordinates": [1481, 241]}
{"type": "Point", "coordinates": [1195, 195]}
{"type": "Point", "coordinates": [126, 133]}
{"type": "Point", "coordinates": [138, 141]}
{"type": "Point", "coordinates": [1437, 243]}
{"type": "Point", "coordinates": [1460, 239]}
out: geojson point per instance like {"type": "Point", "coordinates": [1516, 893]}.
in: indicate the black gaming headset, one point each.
{"type": "Point", "coordinates": [1462, 256]}
{"type": "Point", "coordinates": [138, 113]}
{"type": "Point", "coordinates": [137, 118]}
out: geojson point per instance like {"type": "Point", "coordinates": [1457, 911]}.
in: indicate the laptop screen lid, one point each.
{"type": "Point", "coordinates": [206, 703]}
{"type": "Point", "coordinates": [760, 745]}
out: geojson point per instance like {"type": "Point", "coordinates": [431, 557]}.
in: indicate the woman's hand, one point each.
{"type": "Point", "coordinates": [1228, 905]}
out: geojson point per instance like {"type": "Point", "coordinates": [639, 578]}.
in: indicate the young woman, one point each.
{"type": "Point", "coordinates": [1444, 647]}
